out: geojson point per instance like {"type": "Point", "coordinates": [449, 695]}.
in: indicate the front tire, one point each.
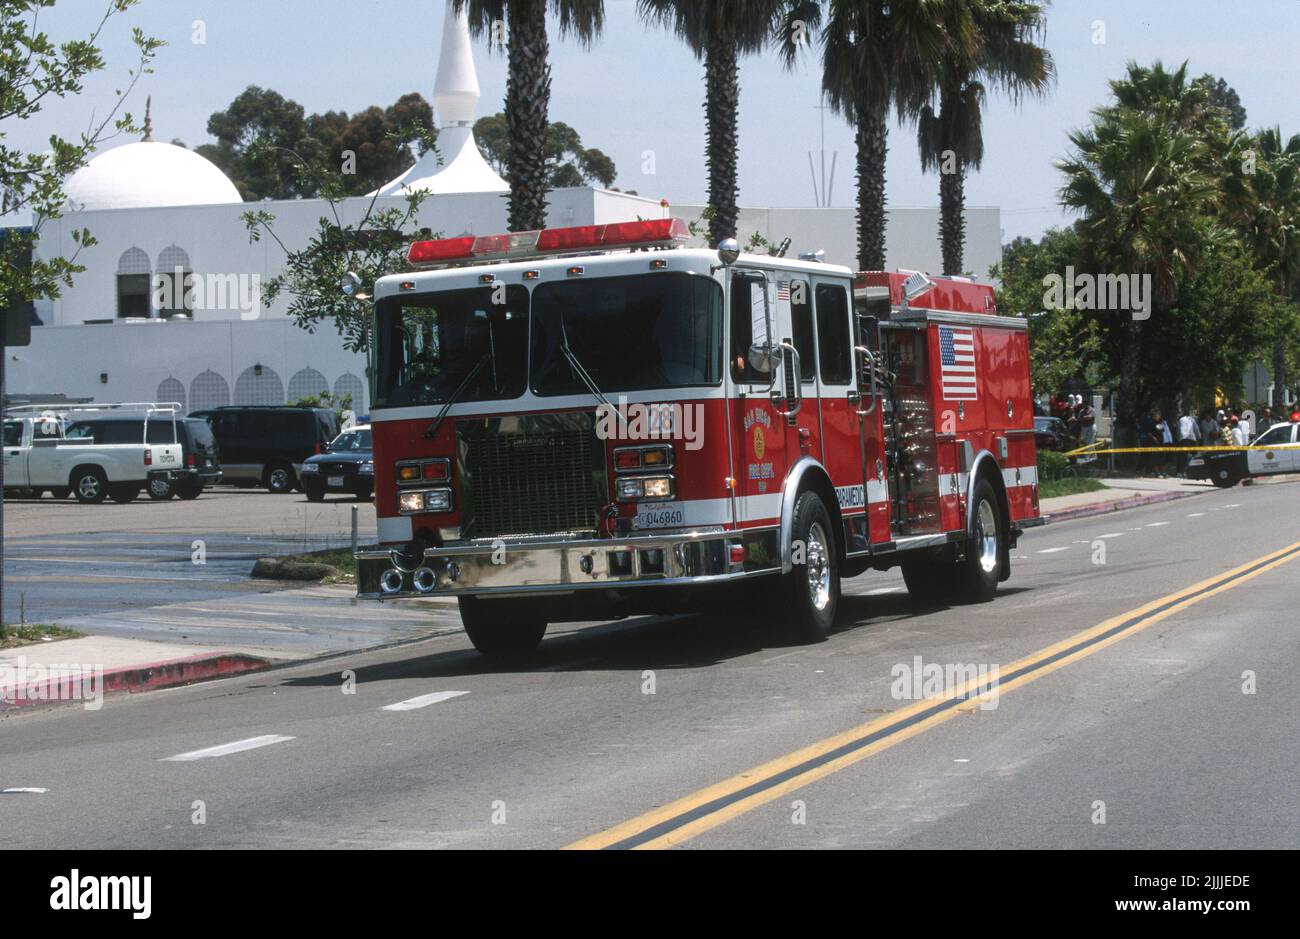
{"type": "Point", "coordinates": [1224, 478]}
{"type": "Point", "coordinates": [192, 491]}
{"type": "Point", "coordinates": [313, 493]}
{"type": "Point", "coordinates": [503, 630]}
{"type": "Point", "coordinates": [812, 589]}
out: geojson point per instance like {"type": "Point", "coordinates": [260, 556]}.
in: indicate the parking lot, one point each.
{"type": "Point", "coordinates": [178, 571]}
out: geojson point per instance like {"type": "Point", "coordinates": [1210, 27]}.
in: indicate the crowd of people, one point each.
{"type": "Point", "coordinates": [1224, 427]}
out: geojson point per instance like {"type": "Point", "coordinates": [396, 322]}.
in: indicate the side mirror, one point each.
{"type": "Point", "coordinates": [728, 251]}
{"type": "Point", "coordinates": [764, 357]}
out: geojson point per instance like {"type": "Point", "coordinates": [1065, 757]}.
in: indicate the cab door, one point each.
{"type": "Point", "coordinates": [15, 460]}
{"type": "Point", "coordinates": [1279, 457]}
{"type": "Point", "coordinates": [758, 397]}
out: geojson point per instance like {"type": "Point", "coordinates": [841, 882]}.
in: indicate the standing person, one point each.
{"type": "Point", "coordinates": [1295, 413]}
{"type": "Point", "coordinates": [1087, 423]}
{"type": "Point", "coordinates": [1265, 420]}
{"type": "Point", "coordinates": [1209, 428]}
{"type": "Point", "coordinates": [1239, 432]}
{"type": "Point", "coordinates": [1189, 435]}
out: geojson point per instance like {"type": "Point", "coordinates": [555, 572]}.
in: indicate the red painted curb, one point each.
{"type": "Point", "coordinates": [1118, 505]}
{"type": "Point", "coordinates": [150, 677]}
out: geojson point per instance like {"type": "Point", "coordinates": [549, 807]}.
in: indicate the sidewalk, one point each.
{"type": "Point", "coordinates": [1123, 494]}
{"type": "Point", "coordinates": [87, 668]}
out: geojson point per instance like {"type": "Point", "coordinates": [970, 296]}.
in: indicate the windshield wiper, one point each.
{"type": "Point", "coordinates": [582, 374]}
{"type": "Point", "coordinates": [432, 430]}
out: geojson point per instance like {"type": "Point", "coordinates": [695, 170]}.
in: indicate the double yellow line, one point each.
{"type": "Point", "coordinates": [710, 807]}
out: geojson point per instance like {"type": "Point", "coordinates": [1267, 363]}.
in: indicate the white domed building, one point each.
{"type": "Point", "coordinates": [148, 175]}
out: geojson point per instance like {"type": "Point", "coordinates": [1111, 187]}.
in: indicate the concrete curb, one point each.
{"type": "Point", "coordinates": [137, 678]}
{"type": "Point", "coordinates": [1117, 505]}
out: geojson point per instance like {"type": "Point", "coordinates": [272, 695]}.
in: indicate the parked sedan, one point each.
{"type": "Point", "coordinates": [1226, 468]}
{"type": "Point", "coordinates": [346, 466]}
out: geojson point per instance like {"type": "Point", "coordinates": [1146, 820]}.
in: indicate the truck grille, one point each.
{"type": "Point", "coordinates": [534, 475]}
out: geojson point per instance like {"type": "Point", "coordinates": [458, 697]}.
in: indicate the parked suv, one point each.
{"type": "Point", "coordinates": [201, 463]}
{"type": "Point", "coordinates": [267, 445]}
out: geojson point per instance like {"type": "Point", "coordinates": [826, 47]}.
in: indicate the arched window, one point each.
{"type": "Point", "coordinates": [349, 384]}
{"type": "Point", "coordinates": [259, 384]}
{"type": "Point", "coordinates": [307, 383]}
{"type": "Point", "coordinates": [174, 282]}
{"type": "Point", "coordinates": [170, 390]}
{"type": "Point", "coordinates": [209, 390]}
{"type": "Point", "coordinates": [133, 283]}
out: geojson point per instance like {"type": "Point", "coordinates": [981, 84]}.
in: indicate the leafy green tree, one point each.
{"type": "Point", "coordinates": [35, 71]}
{"type": "Point", "coordinates": [264, 138]}
{"type": "Point", "coordinates": [1141, 183]}
{"type": "Point", "coordinates": [992, 44]}
{"type": "Point", "coordinates": [1263, 186]}
{"type": "Point", "coordinates": [528, 88]}
{"type": "Point", "coordinates": [568, 163]}
{"type": "Point", "coordinates": [876, 56]}
{"type": "Point", "coordinates": [1223, 97]}
{"type": "Point", "coordinates": [719, 32]}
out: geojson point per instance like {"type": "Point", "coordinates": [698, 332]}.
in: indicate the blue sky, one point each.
{"type": "Point", "coordinates": [639, 89]}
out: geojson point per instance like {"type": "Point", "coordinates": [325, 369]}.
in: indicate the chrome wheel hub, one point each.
{"type": "Point", "coordinates": [818, 568]}
{"type": "Point", "coordinates": [88, 486]}
{"type": "Point", "coordinates": [279, 479]}
{"type": "Point", "coordinates": [986, 537]}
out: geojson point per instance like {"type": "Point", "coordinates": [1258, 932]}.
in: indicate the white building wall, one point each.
{"type": "Point", "coordinates": [911, 234]}
{"type": "Point", "coordinates": [68, 355]}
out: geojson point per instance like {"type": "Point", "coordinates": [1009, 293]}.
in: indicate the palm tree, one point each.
{"type": "Point", "coordinates": [719, 32]}
{"type": "Point", "coordinates": [876, 55]}
{"type": "Point", "coordinates": [1141, 185]}
{"type": "Point", "coordinates": [991, 43]}
{"type": "Point", "coordinates": [528, 87]}
{"type": "Point", "coordinates": [1264, 191]}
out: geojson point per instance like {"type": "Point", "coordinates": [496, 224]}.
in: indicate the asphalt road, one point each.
{"type": "Point", "coordinates": [177, 571]}
{"type": "Point", "coordinates": [1120, 721]}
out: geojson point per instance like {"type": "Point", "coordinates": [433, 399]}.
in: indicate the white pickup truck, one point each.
{"type": "Point", "coordinates": [92, 452]}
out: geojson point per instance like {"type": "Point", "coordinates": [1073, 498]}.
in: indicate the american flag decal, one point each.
{"type": "Point", "coordinates": [783, 290]}
{"type": "Point", "coordinates": [957, 363]}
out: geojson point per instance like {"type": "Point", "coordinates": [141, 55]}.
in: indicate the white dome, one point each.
{"type": "Point", "coordinates": [146, 175]}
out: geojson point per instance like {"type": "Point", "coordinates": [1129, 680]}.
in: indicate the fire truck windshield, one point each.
{"type": "Point", "coordinates": [630, 333]}
{"type": "Point", "coordinates": [429, 345]}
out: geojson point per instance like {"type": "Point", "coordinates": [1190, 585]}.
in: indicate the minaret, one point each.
{"type": "Point", "coordinates": [456, 165]}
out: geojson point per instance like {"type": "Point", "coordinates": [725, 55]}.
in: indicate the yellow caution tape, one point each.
{"type": "Point", "coordinates": [1193, 449]}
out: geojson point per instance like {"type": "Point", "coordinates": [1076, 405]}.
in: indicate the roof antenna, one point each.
{"type": "Point", "coordinates": [148, 120]}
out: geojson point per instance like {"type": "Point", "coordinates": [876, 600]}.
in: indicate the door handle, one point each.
{"type": "Point", "coordinates": [797, 393]}
{"type": "Point", "coordinates": [871, 359]}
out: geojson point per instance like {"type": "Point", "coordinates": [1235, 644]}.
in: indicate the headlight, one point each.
{"type": "Point", "coordinates": [424, 500]}
{"type": "Point", "coordinates": [1196, 461]}
{"type": "Point", "coordinates": [367, 467]}
{"type": "Point", "coordinates": [310, 468]}
{"type": "Point", "coordinates": [632, 488]}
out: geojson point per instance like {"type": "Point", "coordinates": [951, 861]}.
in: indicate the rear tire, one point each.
{"type": "Point", "coordinates": [978, 574]}
{"type": "Point", "coordinates": [89, 485]}
{"type": "Point", "coordinates": [812, 589]}
{"type": "Point", "coordinates": [192, 491]}
{"type": "Point", "coordinates": [160, 488]}
{"type": "Point", "coordinates": [61, 493]}
{"type": "Point", "coordinates": [279, 478]}
{"type": "Point", "coordinates": [928, 582]}
{"type": "Point", "coordinates": [503, 630]}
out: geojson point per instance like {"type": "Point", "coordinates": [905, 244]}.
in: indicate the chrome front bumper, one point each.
{"type": "Point", "coordinates": [561, 566]}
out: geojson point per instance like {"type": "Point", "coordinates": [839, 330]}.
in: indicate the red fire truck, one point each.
{"type": "Point", "coordinates": [586, 423]}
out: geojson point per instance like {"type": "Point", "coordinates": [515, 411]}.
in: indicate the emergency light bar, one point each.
{"type": "Point", "coordinates": [659, 232]}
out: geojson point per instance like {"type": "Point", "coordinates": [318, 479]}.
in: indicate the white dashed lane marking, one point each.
{"type": "Point", "coordinates": [225, 749]}
{"type": "Point", "coordinates": [1156, 524]}
{"type": "Point", "coordinates": [423, 701]}
{"type": "Point", "coordinates": [1054, 550]}
{"type": "Point", "coordinates": [23, 790]}
{"type": "Point", "coordinates": [1195, 514]}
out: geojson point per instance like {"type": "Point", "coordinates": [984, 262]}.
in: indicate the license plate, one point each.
{"type": "Point", "coordinates": [334, 481]}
